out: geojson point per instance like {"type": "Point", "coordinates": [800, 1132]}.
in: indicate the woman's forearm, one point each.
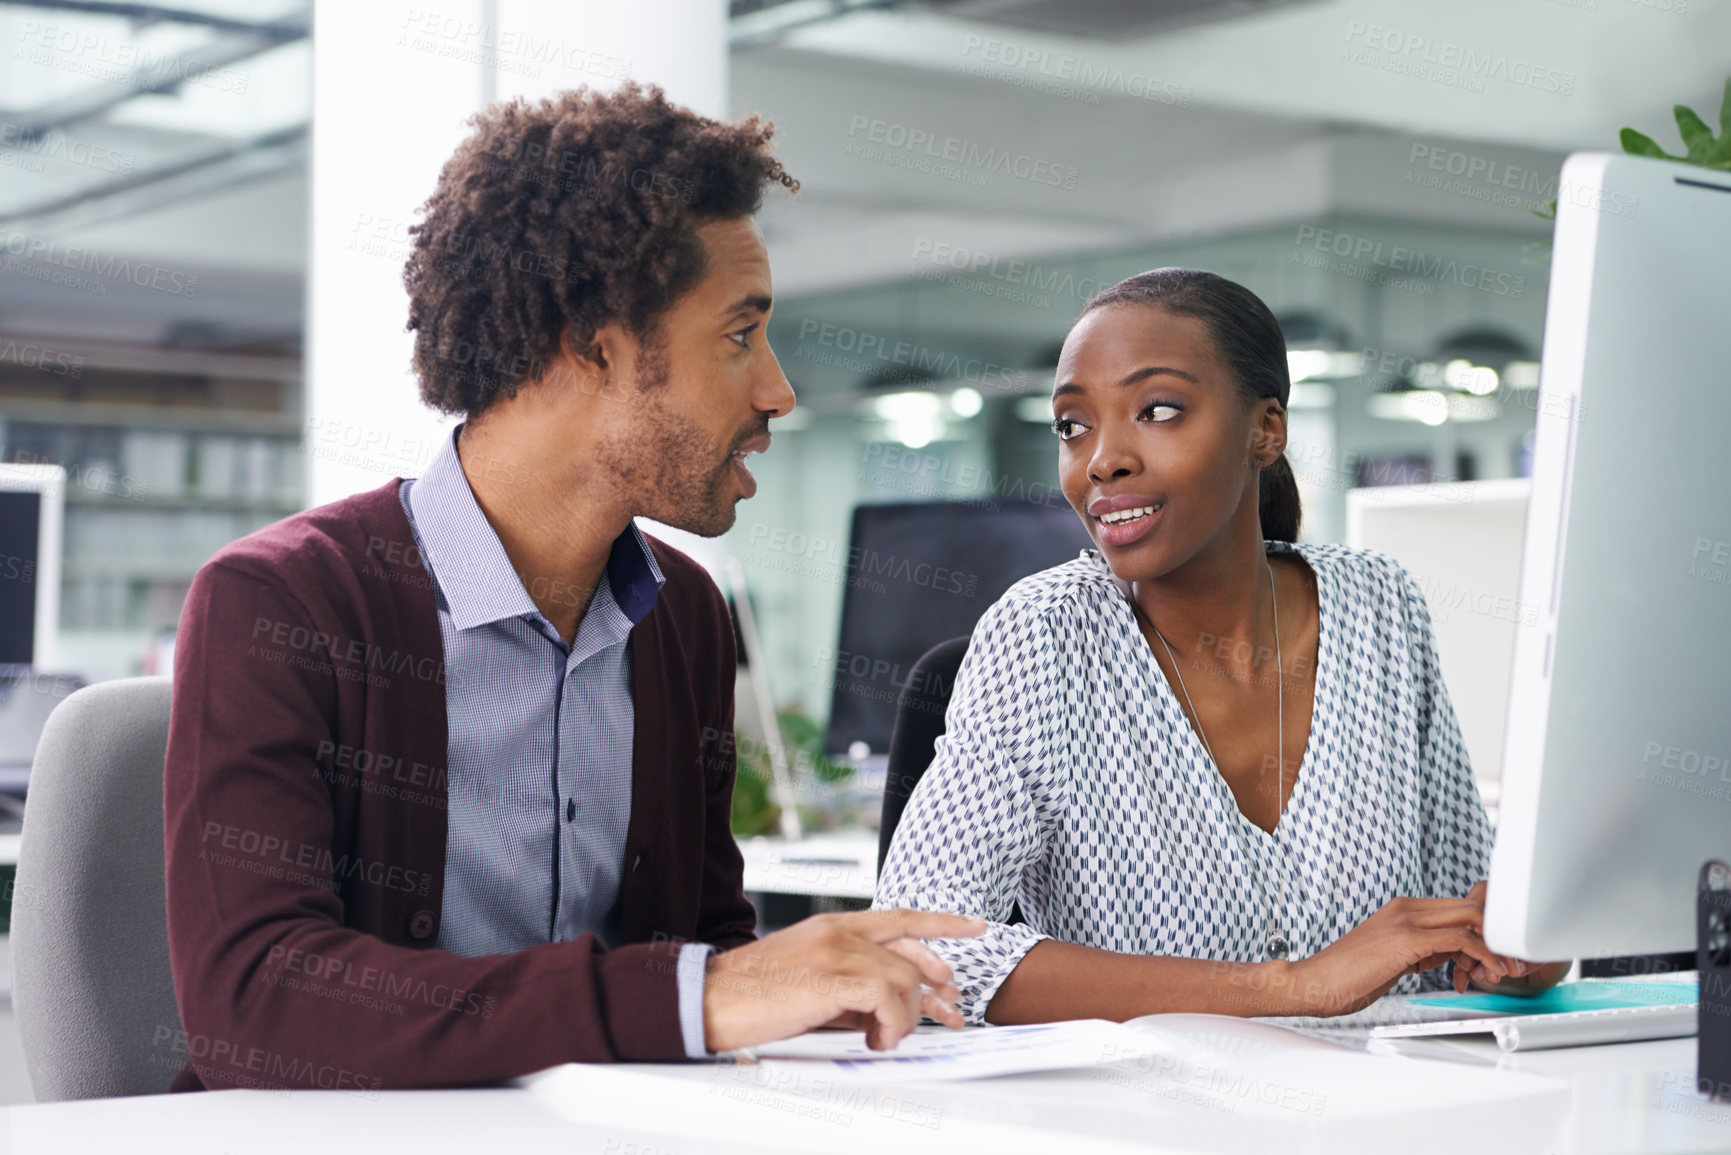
{"type": "Point", "coordinates": [1060, 980]}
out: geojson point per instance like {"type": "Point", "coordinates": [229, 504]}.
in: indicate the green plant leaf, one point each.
{"type": "Point", "coordinates": [1697, 137]}
{"type": "Point", "coordinates": [1640, 144]}
{"type": "Point", "coordinates": [1545, 212]}
{"type": "Point", "coordinates": [754, 812]}
{"type": "Point", "coordinates": [1699, 144]}
{"type": "Point", "coordinates": [1719, 154]}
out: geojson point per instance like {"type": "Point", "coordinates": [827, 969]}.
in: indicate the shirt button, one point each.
{"type": "Point", "coordinates": [570, 809]}
{"type": "Point", "coordinates": [421, 925]}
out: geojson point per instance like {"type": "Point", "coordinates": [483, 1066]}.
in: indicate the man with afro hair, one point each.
{"type": "Point", "coordinates": [450, 764]}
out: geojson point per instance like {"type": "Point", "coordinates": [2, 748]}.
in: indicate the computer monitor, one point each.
{"type": "Point", "coordinates": [32, 499]}
{"type": "Point", "coordinates": [1617, 756]}
{"type": "Point", "coordinates": [1461, 541]}
{"type": "Point", "coordinates": [920, 573]}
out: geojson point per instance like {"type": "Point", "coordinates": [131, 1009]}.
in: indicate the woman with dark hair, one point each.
{"type": "Point", "coordinates": [1219, 770]}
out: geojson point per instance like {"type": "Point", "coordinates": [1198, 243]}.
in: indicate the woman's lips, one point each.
{"type": "Point", "coordinates": [1129, 532]}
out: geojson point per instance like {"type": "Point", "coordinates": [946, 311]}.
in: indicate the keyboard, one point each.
{"type": "Point", "coordinates": [1672, 1015]}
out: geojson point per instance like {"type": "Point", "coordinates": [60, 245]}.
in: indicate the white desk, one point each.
{"type": "Point", "coordinates": [1627, 1098]}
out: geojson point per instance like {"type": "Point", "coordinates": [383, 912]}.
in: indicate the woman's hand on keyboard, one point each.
{"type": "Point", "coordinates": [1523, 977]}
{"type": "Point", "coordinates": [1406, 936]}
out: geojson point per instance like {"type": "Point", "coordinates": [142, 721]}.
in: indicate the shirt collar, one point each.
{"type": "Point", "coordinates": [472, 569]}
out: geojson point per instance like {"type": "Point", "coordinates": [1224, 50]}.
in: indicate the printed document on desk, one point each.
{"type": "Point", "coordinates": [970, 1053]}
{"type": "Point", "coordinates": [1252, 1068]}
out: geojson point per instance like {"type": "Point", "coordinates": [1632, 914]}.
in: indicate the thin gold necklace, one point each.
{"type": "Point", "coordinates": [1277, 944]}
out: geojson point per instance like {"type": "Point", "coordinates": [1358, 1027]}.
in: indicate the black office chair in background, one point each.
{"type": "Point", "coordinates": [919, 720]}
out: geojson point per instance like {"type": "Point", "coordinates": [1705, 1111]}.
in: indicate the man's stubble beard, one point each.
{"type": "Point", "coordinates": [658, 470]}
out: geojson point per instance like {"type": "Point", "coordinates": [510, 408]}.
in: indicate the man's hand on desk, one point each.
{"type": "Point", "coordinates": [866, 971]}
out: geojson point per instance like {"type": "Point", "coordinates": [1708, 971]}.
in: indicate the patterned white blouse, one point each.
{"type": "Point", "coordinates": [1071, 780]}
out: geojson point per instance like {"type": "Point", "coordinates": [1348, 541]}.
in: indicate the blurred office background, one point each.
{"type": "Point", "coordinates": [196, 312]}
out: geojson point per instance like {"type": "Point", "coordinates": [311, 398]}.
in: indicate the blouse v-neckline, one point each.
{"type": "Point", "coordinates": [1167, 696]}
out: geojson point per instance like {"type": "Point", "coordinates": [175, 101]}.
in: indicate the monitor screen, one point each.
{"type": "Point", "coordinates": [918, 574]}
{"type": "Point", "coordinates": [20, 532]}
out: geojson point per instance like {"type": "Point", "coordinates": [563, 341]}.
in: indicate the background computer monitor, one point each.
{"type": "Point", "coordinates": [1461, 541]}
{"type": "Point", "coordinates": [918, 574]}
{"type": "Point", "coordinates": [32, 499]}
{"type": "Point", "coordinates": [1617, 759]}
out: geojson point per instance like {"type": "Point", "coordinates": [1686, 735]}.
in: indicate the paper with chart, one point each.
{"type": "Point", "coordinates": [943, 1055]}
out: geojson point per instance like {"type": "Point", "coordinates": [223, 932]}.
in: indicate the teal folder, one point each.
{"type": "Point", "coordinates": [1586, 995]}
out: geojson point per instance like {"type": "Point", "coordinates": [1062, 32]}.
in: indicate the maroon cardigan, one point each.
{"type": "Point", "coordinates": [304, 798]}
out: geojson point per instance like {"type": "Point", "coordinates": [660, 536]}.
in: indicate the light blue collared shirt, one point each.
{"type": "Point", "coordinates": [540, 738]}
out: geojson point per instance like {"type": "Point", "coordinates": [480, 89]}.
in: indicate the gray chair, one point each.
{"type": "Point", "coordinates": [90, 980]}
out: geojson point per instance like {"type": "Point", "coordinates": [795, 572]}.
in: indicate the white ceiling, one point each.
{"type": "Point", "coordinates": [1266, 118]}
{"type": "Point", "coordinates": [1254, 120]}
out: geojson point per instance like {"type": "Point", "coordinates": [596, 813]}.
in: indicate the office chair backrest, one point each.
{"type": "Point", "coordinates": [919, 721]}
{"type": "Point", "coordinates": [90, 980]}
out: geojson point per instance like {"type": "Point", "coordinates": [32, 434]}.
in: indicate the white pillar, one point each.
{"type": "Point", "coordinates": [393, 85]}
{"type": "Point", "coordinates": [679, 44]}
